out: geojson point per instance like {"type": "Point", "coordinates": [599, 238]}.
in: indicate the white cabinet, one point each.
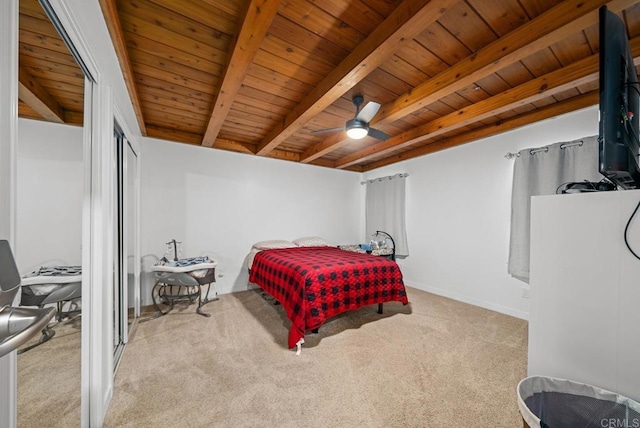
{"type": "Point", "coordinates": [584, 317]}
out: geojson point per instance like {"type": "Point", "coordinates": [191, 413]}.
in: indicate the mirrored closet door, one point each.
{"type": "Point", "coordinates": [49, 187]}
{"type": "Point", "coordinates": [126, 290]}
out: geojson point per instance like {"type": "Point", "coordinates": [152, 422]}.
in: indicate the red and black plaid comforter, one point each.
{"type": "Point", "coordinates": [315, 283]}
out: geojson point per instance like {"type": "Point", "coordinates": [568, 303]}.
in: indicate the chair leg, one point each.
{"type": "Point", "coordinates": [199, 310]}
{"type": "Point", "coordinates": [206, 296]}
{"type": "Point", "coordinates": [47, 334]}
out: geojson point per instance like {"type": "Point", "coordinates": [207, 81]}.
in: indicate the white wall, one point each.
{"type": "Point", "coordinates": [220, 203]}
{"type": "Point", "coordinates": [584, 310]}
{"type": "Point", "coordinates": [49, 189]}
{"type": "Point", "coordinates": [458, 213]}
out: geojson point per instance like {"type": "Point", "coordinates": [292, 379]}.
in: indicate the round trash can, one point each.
{"type": "Point", "coordinates": [556, 403]}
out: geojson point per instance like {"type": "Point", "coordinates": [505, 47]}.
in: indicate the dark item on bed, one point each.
{"type": "Point", "coordinates": [314, 284]}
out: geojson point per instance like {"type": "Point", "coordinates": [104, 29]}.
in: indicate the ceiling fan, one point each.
{"type": "Point", "coordinates": [358, 127]}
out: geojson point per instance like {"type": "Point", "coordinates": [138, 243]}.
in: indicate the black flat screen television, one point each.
{"type": "Point", "coordinates": [619, 143]}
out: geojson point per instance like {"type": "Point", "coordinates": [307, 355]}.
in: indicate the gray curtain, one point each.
{"type": "Point", "coordinates": [541, 171]}
{"type": "Point", "coordinates": [385, 209]}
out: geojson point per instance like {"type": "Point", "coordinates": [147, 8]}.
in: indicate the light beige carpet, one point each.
{"type": "Point", "coordinates": [49, 380]}
{"type": "Point", "coordinates": [433, 363]}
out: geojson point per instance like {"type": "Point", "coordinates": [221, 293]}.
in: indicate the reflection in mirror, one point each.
{"type": "Point", "coordinates": [125, 297]}
{"type": "Point", "coordinates": [132, 232]}
{"type": "Point", "coordinates": [49, 188]}
{"type": "Point", "coordinates": [49, 219]}
{"type": "Point", "coordinates": [17, 325]}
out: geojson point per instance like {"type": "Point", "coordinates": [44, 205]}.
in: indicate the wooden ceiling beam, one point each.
{"type": "Point", "coordinates": [557, 23]}
{"type": "Point", "coordinates": [234, 146]}
{"type": "Point", "coordinates": [112, 19]}
{"type": "Point", "coordinates": [284, 155]}
{"type": "Point", "coordinates": [579, 73]}
{"type": "Point", "coordinates": [174, 135]}
{"type": "Point", "coordinates": [567, 106]}
{"type": "Point", "coordinates": [190, 138]}
{"type": "Point", "coordinates": [257, 20]}
{"type": "Point", "coordinates": [35, 96]}
{"type": "Point", "coordinates": [406, 21]}
{"type": "Point", "coordinates": [74, 117]}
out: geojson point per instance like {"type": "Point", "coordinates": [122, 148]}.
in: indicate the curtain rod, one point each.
{"type": "Point", "coordinates": [542, 149]}
{"type": "Point", "coordinates": [401, 175]}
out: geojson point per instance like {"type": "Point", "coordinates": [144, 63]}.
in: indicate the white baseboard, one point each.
{"type": "Point", "coordinates": [476, 302]}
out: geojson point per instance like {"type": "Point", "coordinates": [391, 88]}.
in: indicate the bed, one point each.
{"type": "Point", "coordinates": [315, 283]}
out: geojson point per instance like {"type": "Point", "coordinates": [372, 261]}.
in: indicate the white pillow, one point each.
{"type": "Point", "coordinates": [273, 244]}
{"type": "Point", "coordinates": [311, 241]}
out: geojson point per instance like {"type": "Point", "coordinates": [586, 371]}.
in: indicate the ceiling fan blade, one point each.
{"type": "Point", "coordinates": [324, 131]}
{"type": "Point", "coordinates": [376, 133]}
{"type": "Point", "coordinates": [368, 111]}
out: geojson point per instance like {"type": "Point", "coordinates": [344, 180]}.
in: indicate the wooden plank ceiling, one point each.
{"type": "Point", "coordinates": [260, 76]}
{"type": "Point", "coordinates": [51, 84]}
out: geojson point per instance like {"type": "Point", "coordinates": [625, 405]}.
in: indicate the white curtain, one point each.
{"type": "Point", "coordinates": [385, 209]}
{"type": "Point", "coordinates": [542, 171]}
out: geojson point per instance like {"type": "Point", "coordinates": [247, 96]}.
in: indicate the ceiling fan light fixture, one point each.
{"type": "Point", "coordinates": [357, 130]}
{"type": "Point", "coordinates": [358, 127]}
{"type": "Point", "coordinates": [357, 133]}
